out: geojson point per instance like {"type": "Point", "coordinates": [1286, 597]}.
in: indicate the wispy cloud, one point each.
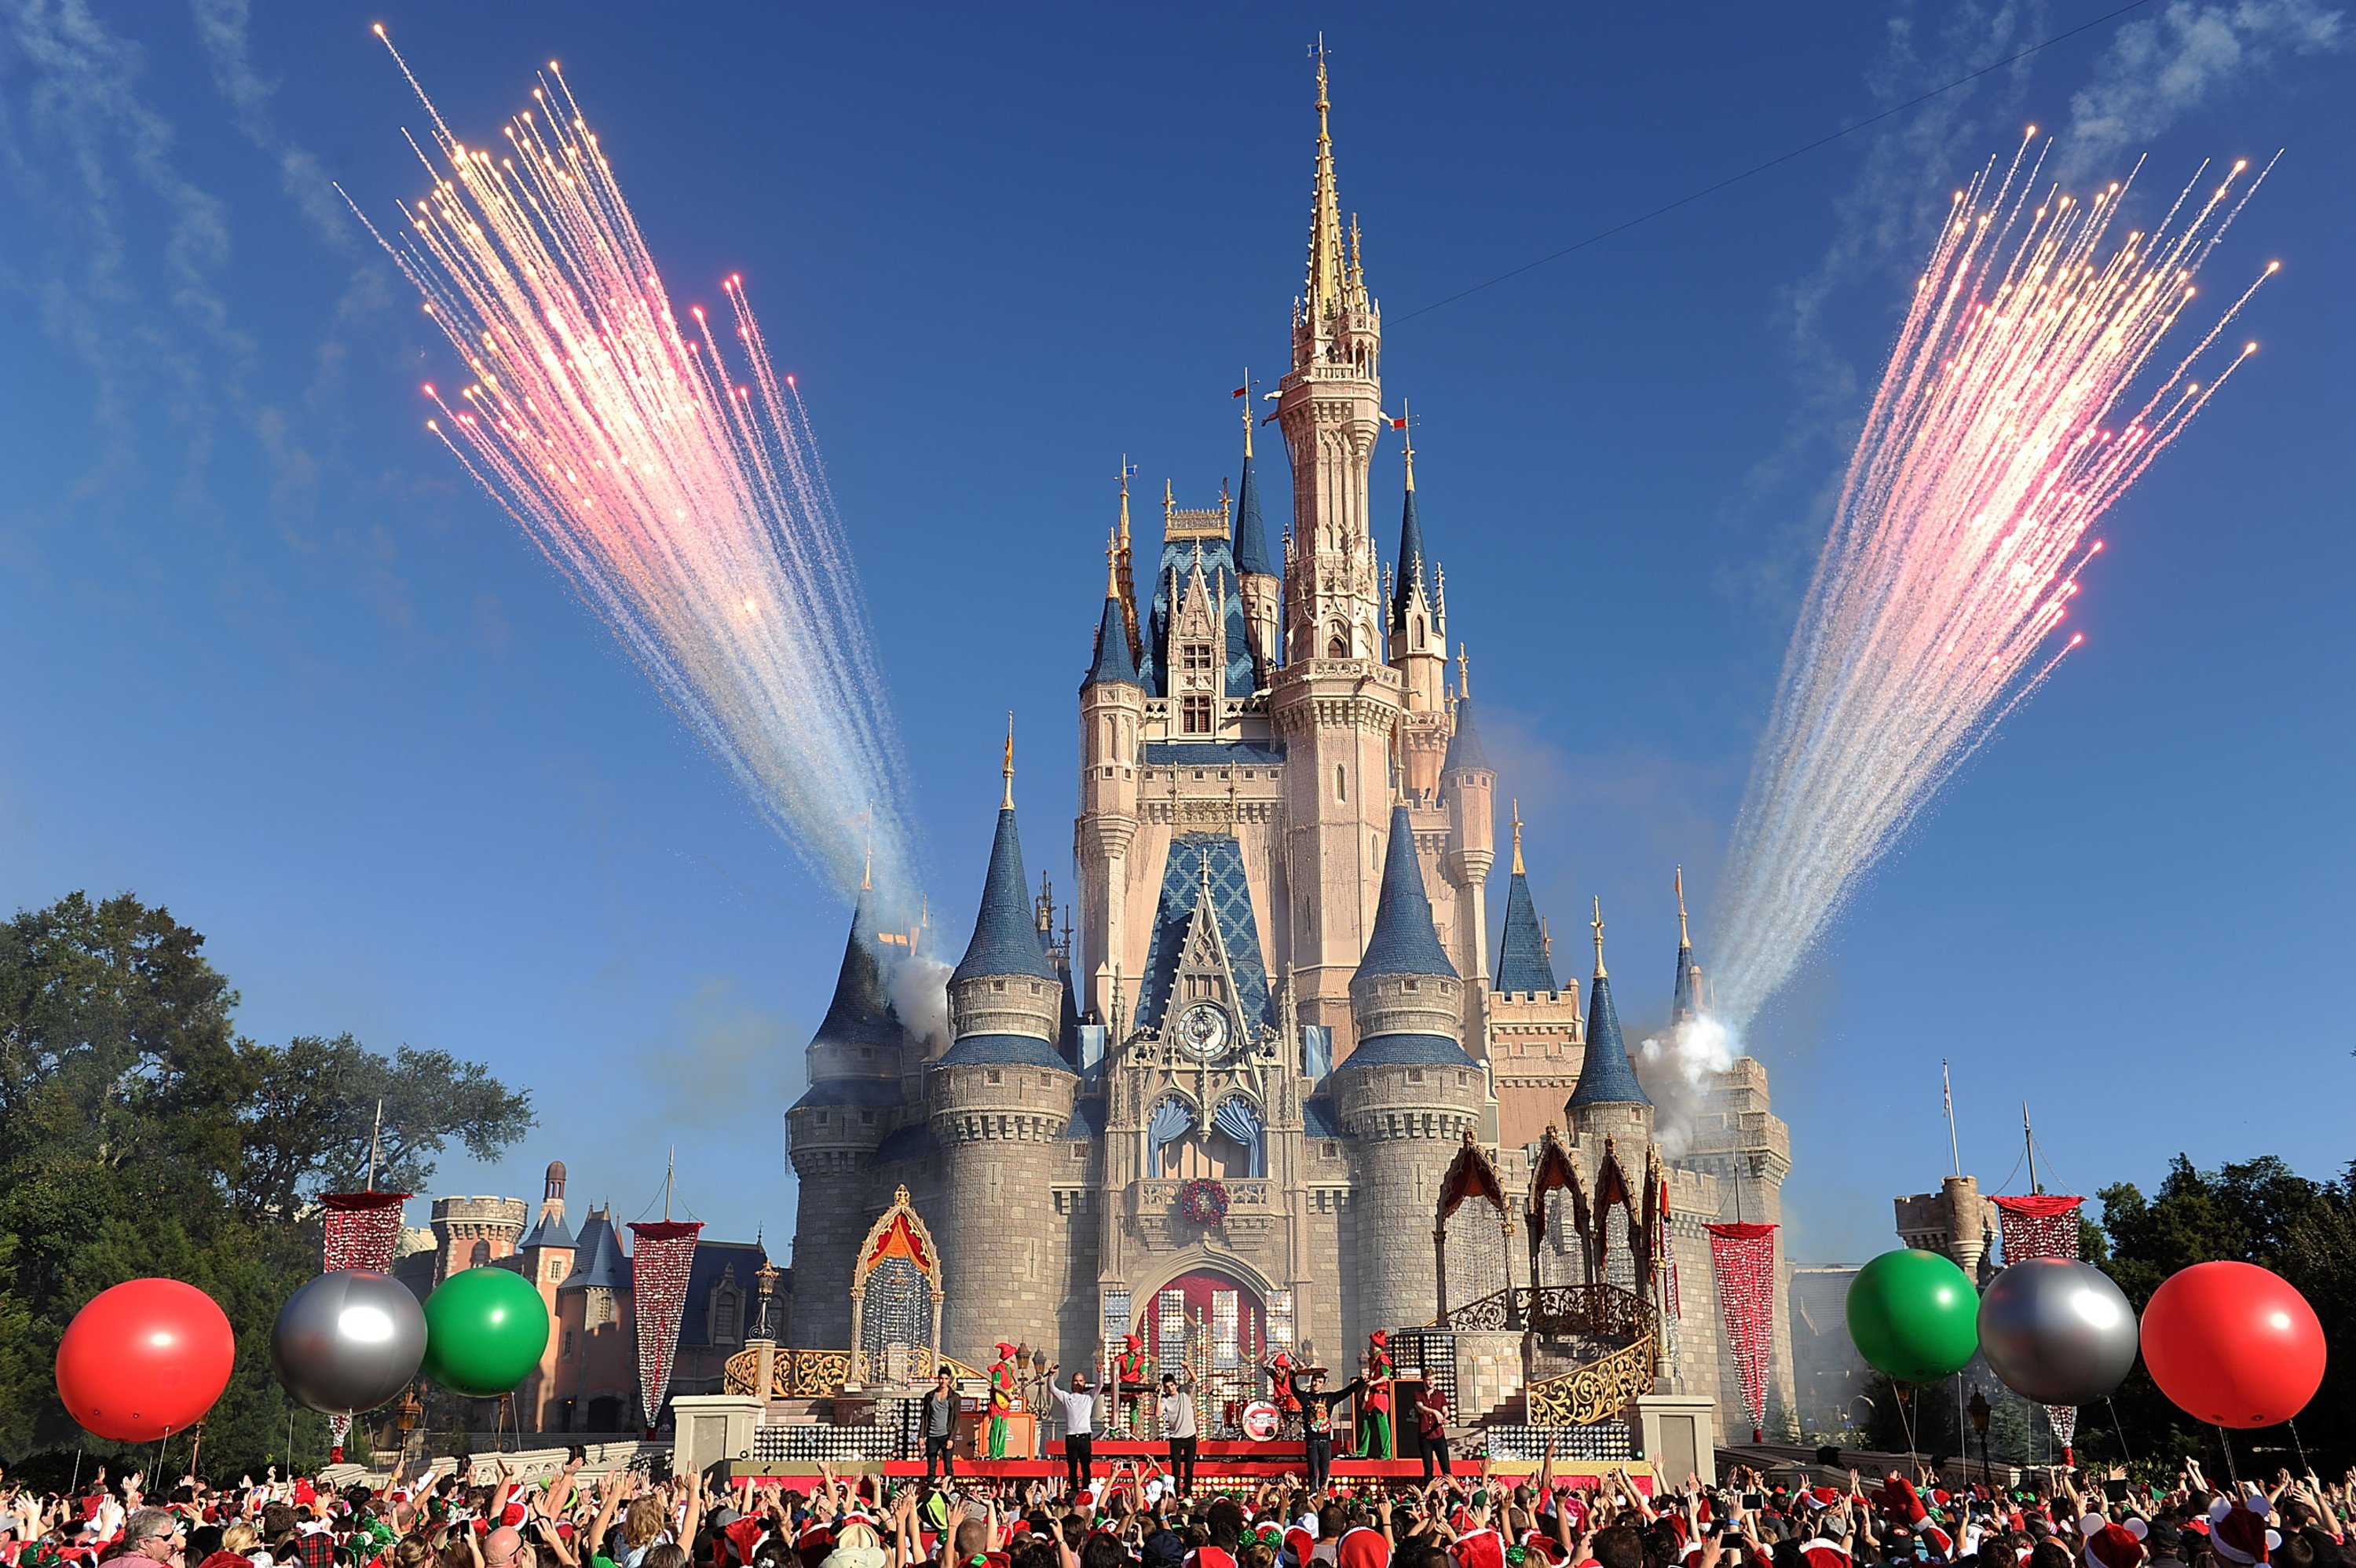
{"type": "Point", "coordinates": [2160, 69]}
{"type": "Point", "coordinates": [222, 29]}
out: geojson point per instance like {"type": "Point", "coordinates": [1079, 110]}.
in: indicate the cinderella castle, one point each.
{"type": "Point", "coordinates": [1287, 1083]}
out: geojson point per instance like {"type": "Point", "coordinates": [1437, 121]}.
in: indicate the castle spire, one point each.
{"type": "Point", "coordinates": [1404, 941]}
{"type": "Point", "coordinates": [1607, 1077]}
{"type": "Point", "coordinates": [1327, 266]}
{"type": "Point", "coordinates": [1122, 574]}
{"type": "Point", "coordinates": [1008, 803]}
{"type": "Point", "coordinates": [1005, 941]}
{"type": "Point", "coordinates": [1246, 395]}
{"type": "Point", "coordinates": [1684, 939]}
{"type": "Point", "coordinates": [1524, 963]}
{"type": "Point", "coordinates": [1684, 999]}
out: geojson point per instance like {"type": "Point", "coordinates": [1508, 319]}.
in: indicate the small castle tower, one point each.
{"type": "Point", "coordinates": [546, 1256]}
{"type": "Point", "coordinates": [1256, 575]}
{"type": "Point", "coordinates": [1534, 1025]}
{"type": "Point", "coordinates": [1609, 1102]}
{"type": "Point", "coordinates": [1113, 716]}
{"type": "Point", "coordinates": [832, 1130]}
{"type": "Point", "coordinates": [1417, 649]}
{"type": "Point", "coordinates": [1468, 785]}
{"type": "Point", "coordinates": [999, 1101]}
{"type": "Point", "coordinates": [596, 1375]}
{"type": "Point", "coordinates": [1407, 1094]}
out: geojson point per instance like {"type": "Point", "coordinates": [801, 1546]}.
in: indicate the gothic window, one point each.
{"type": "Point", "coordinates": [481, 1254]}
{"type": "Point", "coordinates": [1415, 634]}
{"type": "Point", "coordinates": [1194, 656]}
{"type": "Point", "coordinates": [1195, 715]}
{"type": "Point", "coordinates": [1341, 782]}
{"type": "Point", "coordinates": [1337, 643]}
{"type": "Point", "coordinates": [727, 1306]}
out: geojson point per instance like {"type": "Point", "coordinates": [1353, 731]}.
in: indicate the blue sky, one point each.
{"type": "Point", "coordinates": [274, 665]}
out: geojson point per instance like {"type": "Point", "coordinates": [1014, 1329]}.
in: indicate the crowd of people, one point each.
{"type": "Point", "coordinates": [1144, 1515]}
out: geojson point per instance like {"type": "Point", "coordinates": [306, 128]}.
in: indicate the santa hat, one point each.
{"type": "Point", "coordinates": [2239, 1534]}
{"type": "Point", "coordinates": [1899, 1502]}
{"type": "Point", "coordinates": [2112, 1545]}
{"type": "Point", "coordinates": [1820, 1497]}
{"type": "Point", "coordinates": [1940, 1542]}
{"type": "Point", "coordinates": [1824, 1555]}
{"type": "Point", "coordinates": [1131, 1341]}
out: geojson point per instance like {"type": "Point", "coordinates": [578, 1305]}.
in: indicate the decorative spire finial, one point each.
{"type": "Point", "coordinates": [1112, 565]}
{"type": "Point", "coordinates": [1407, 418]}
{"type": "Point", "coordinates": [1683, 940]}
{"type": "Point", "coordinates": [1247, 402]}
{"type": "Point", "coordinates": [1518, 839]}
{"type": "Point", "coordinates": [1327, 264]}
{"type": "Point", "coordinates": [1601, 973]}
{"type": "Point", "coordinates": [1125, 470]}
{"type": "Point", "coordinates": [1006, 802]}
{"type": "Point", "coordinates": [1463, 672]}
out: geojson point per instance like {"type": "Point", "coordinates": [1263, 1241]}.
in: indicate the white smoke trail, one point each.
{"type": "Point", "coordinates": [1680, 1065]}
{"type": "Point", "coordinates": [1990, 449]}
{"type": "Point", "coordinates": [682, 498]}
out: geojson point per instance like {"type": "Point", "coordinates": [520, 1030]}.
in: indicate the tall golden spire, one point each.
{"type": "Point", "coordinates": [1327, 264]}
{"type": "Point", "coordinates": [1248, 411]}
{"type": "Point", "coordinates": [1006, 802]}
{"type": "Point", "coordinates": [1463, 671]}
{"type": "Point", "coordinates": [1601, 973]}
{"type": "Point", "coordinates": [1112, 564]}
{"type": "Point", "coordinates": [1407, 424]}
{"type": "Point", "coordinates": [1518, 839]}
{"type": "Point", "coordinates": [1683, 940]}
{"type": "Point", "coordinates": [1123, 576]}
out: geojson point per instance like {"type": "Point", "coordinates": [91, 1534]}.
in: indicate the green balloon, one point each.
{"type": "Point", "coordinates": [1914, 1314]}
{"type": "Point", "coordinates": [484, 1328]}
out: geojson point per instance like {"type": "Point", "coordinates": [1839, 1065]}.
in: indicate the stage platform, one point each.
{"type": "Point", "coordinates": [1218, 1464]}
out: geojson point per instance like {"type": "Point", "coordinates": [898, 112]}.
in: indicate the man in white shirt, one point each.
{"type": "Point", "coordinates": [1176, 1410]}
{"type": "Point", "coordinates": [1079, 1428]}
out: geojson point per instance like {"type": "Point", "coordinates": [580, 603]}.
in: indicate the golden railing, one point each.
{"type": "Point", "coordinates": [1596, 1392]}
{"type": "Point", "coordinates": [806, 1374]}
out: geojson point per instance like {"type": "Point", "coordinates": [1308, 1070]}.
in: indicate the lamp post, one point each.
{"type": "Point", "coordinates": [1979, 1412]}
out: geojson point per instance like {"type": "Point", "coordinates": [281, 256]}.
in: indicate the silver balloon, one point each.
{"type": "Point", "coordinates": [348, 1342]}
{"type": "Point", "coordinates": [2057, 1332]}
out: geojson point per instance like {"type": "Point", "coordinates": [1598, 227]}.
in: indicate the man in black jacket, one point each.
{"type": "Point", "coordinates": [1317, 1420]}
{"type": "Point", "coordinates": [937, 1419]}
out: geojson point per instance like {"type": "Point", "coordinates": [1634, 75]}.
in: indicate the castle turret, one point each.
{"type": "Point", "coordinates": [1407, 1093]}
{"type": "Point", "coordinates": [999, 1101]}
{"type": "Point", "coordinates": [1523, 964]}
{"type": "Point", "coordinates": [547, 1257]}
{"type": "Point", "coordinates": [1610, 1100]}
{"type": "Point", "coordinates": [1470, 786]}
{"type": "Point", "coordinates": [1256, 575]}
{"type": "Point", "coordinates": [1334, 704]}
{"type": "Point", "coordinates": [1418, 640]}
{"type": "Point", "coordinates": [1684, 999]}
{"type": "Point", "coordinates": [831, 1132]}
{"type": "Point", "coordinates": [1112, 715]}
{"type": "Point", "coordinates": [1532, 1034]}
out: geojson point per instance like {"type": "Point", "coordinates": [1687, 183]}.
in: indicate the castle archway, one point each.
{"type": "Point", "coordinates": [1214, 1324]}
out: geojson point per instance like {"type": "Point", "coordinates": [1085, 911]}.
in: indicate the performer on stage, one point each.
{"type": "Point", "coordinates": [937, 1418]}
{"type": "Point", "coordinates": [1133, 1378]}
{"type": "Point", "coordinates": [1431, 1422]}
{"type": "Point", "coordinates": [1002, 1379]}
{"type": "Point", "coordinates": [1288, 1403]}
{"type": "Point", "coordinates": [1375, 1409]}
{"type": "Point", "coordinates": [1079, 1428]}
{"type": "Point", "coordinates": [1317, 1419]}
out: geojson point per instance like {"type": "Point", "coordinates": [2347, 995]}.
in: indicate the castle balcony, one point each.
{"type": "Point", "coordinates": [1254, 1207]}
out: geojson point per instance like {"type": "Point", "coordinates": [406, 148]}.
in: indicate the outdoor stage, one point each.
{"type": "Point", "coordinates": [1218, 1462]}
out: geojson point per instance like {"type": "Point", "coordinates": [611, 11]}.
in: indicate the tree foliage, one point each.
{"type": "Point", "coordinates": [140, 1134]}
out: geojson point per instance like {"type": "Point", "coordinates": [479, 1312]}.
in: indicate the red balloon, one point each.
{"type": "Point", "coordinates": [144, 1359]}
{"type": "Point", "coordinates": [2233, 1344]}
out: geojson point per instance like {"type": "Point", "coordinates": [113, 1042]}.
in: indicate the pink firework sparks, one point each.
{"type": "Point", "coordinates": [2004, 427]}
{"type": "Point", "coordinates": [684, 499]}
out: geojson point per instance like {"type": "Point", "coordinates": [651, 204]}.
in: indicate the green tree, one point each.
{"type": "Point", "coordinates": [140, 1134]}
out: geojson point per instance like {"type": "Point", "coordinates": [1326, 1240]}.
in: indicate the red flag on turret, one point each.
{"type": "Point", "coordinates": [1240, 391]}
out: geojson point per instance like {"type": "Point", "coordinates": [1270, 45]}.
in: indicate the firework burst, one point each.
{"type": "Point", "coordinates": [684, 500]}
{"type": "Point", "coordinates": [2004, 427]}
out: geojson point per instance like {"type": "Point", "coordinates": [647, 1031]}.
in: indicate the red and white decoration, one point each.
{"type": "Point", "coordinates": [2043, 1225]}
{"type": "Point", "coordinates": [1744, 1258]}
{"type": "Point", "coordinates": [658, 1267]}
{"type": "Point", "coordinates": [363, 1231]}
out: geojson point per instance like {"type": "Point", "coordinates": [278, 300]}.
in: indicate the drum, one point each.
{"type": "Point", "coordinates": [1262, 1420]}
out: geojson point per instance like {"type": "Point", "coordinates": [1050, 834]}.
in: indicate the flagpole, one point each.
{"type": "Point", "coordinates": [1947, 1087]}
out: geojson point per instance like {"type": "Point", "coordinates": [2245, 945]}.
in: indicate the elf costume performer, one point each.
{"type": "Point", "coordinates": [1375, 1421]}
{"type": "Point", "coordinates": [1002, 1398]}
{"type": "Point", "coordinates": [1131, 1377]}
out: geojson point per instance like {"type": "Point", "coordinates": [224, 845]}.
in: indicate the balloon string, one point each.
{"type": "Point", "coordinates": [2231, 1474]}
{"type": "Point", "coordinates": [1904, 1422]}
{"type": "Point", "coordinates": [2125, 1457]}
{"type": "Point", "coordinates": [2303, 1464]}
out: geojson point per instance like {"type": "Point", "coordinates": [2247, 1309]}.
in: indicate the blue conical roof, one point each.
{"type": "Point", "coordinates": [599, 1260]}
{"type": "Point", "coordinates": [1464, 746]}
{"type": "Point", "coordinates": [1251, 534]}
{"type": "Point", "coordinates": [860, 1013]}
{"type": "Point", "coordinates": [1005, 941]}
{"type": "Point", "coordinates": [1683, 1004]}
{"type": "Point", "coordinates": [1522, 961]}
{"type": "Point", "coordinates": [1412, 568]}
{"type": "Point", "coordinates": [551, 1231]}
{"type": "Point", "coordinates": [1404, 942]}
{"type": "Point", "coordinates": [1609, 1078]}
{"type": "Point", "coordinates": [1112, 660]}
